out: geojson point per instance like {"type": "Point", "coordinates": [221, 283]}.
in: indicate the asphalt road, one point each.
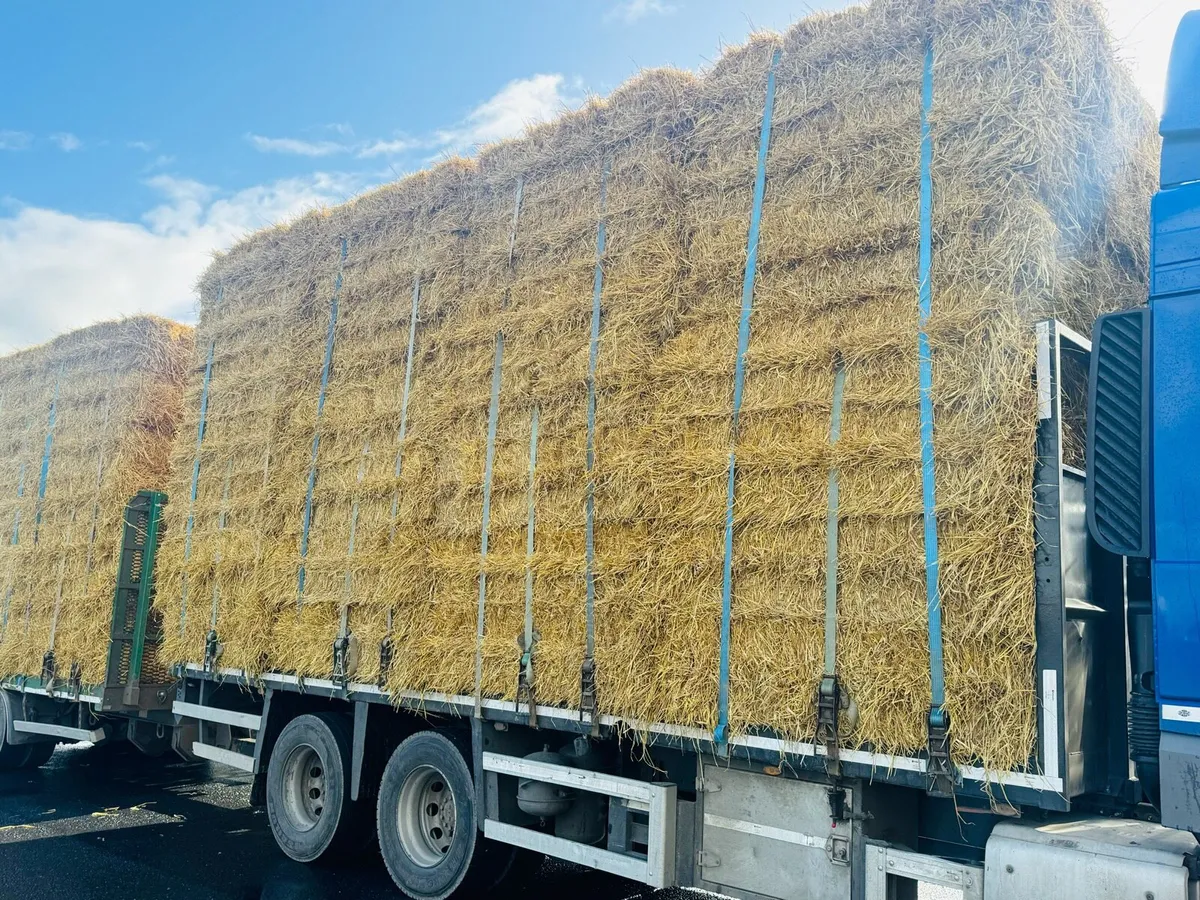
{"type": "Point", "coordinates": [105, 823]}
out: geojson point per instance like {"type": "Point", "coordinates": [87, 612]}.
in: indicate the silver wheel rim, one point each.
{"type": "Point", "coordinates": [304, 787]}
{"type": "Point", "coordinates": [425, 816]}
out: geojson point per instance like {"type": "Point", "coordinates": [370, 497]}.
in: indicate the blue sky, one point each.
{"type": "Point", "coordinates": [135, 139]}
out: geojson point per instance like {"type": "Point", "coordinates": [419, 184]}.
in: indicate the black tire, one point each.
{"type": "Point", "coordinates": [308, 790]}
{"type": "Point", "coordinates": [38, 754]}
{"type": "Point", "coordinates": [12, 756]}
{"type": "Point", "coordinates": [469, 866]}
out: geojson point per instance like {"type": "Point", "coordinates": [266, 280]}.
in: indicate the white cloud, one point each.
{"type": "Point", "coordinates": [159, 162]}
{"type": "Point", "coordinates": [390, 148]}
{"type": "Point", "coordinates": [184, 206]}
{"type": "Point", "coordinates": [295, 146]}
{"type": "Point", "coordinates": [66, 141]}
{"type": "Point", "coordinates": [1144, 33]}
{"type": "Point", "coordinates": [63, 272]}
{"type": "Point", "coordinates": [144, 146]}
{"type": "Point", "coordinates": [15, 140]}
{"type": "Point", "coordinates": [518, 104]}
{"type": "Point", "coordinates": [508, 113]}
{"type": "Point", "coordinates": [635, 10]}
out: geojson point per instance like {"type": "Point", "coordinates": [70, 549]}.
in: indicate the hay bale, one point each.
{"type": "Point", "coordinates": [1043, 163]}
{"type": "Point", "coordinates": [115, 390]}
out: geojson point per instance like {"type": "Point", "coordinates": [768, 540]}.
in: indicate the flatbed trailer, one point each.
{"type": "Point", "coordinates": [464, 793]}
{"type": "Point", "coordinates": [658, 803]}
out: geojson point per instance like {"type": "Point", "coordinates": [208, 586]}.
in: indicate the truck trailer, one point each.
{"type": "Point", "coordinates": [463, 792]}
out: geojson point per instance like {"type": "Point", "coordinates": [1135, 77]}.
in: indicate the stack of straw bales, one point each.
{"type": "Point", "coordinates": [91, 416]}
{"type": "Point", "coordinates": [1042, 166]}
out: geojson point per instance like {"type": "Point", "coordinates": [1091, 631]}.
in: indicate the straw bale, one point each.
{"type": "Point", "coordinates": [1043, 157]}
{"type": "Point", "coordinates": [116, 391]}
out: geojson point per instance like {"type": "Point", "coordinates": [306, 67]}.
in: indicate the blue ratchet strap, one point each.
{"type": "Point", "coordinates": [222, 518]}
{"type": "Point", "coordinates": [721, 734]}
{"type": "Point", "coordinates": [58, 589]}
{"type": "Point", "coordinates": [493, 419]}
{"type": "Point", "coordinates": [527, 646]}
{"type": "Point", "coordinates": [829, 692]}
{"type": "Point", "coordinates": [940, 769]}
{"type": "Point", "coordinates": [589, 664]}
{"type": "Point", "coordinates": [408, 368]}
{"type": "Point", "coordinates": [932, 598]}
{"type": "Point", "coordinates": [348, 577]}
{"type": "Point", "coordinates": [16, 531]}
{"type": "Point", "coordinates": [489, 460]}
{"type": "Point", "coordinates": [44, 475]}
{"type": "Point", "coordinates": [200, 428]}
{"type": "Point", "coordinates": [354, 508]}
{"type": "Point", "coordinates": [16, 539]}
{"type": "Point", "coordinates": [92, 530]}
{"type": "Point", "coordinates": [316, 441]}
{"type": "Point", "coordinates": [831, 529]}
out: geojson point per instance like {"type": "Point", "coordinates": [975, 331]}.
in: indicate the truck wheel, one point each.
{"type": "Point", "coordinates": [426, 823]}
{"type": "Point", "coordinates": [308, 791]}
{"type": "Point", "coordinates": [12, 756]}
{"type": "Point", "coordinates": [38, 754]}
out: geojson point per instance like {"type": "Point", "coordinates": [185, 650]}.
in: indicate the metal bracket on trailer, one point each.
{"type": "Point", "coordinates": [345, 659]}
{"type": "Point", "coordinates": [203, 713]}
{"type": "Point", "coordinates": [525, 692]}
{"type": "Point", "coordinates": [829, 703]}
{"type": "Point", "coordinates": [76, 680]}
{"type": "Point", "coordinates": [386, 651]}
{"type": "Point", "coordinates": [588, 710]}
{"type": "Point", "coordinates": [888, 862]}
{"type": "Point", "coordinates": [213, 648]}
{"type": "Point", "coordinates": [217, 743]}
{"type": "Point", "coordinates": [95, 735]}
{"type": "Point", "coordinates": [264, 742]}
{"type": "Point", "coordinates": [943, 775]}
{"type": "Point", "coordinates": [359, 747]}
{"type": "Point", "coordinates": [657, 869]}
{"type": "Point", "coordinates": [231, 758]}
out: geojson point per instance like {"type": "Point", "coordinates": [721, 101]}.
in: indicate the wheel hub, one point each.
{"type": "Point", "coordinates": [304, 787]}
{"type": "Point", "coordinates": [426, 816]}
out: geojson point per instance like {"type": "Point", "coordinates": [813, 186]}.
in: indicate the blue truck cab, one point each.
{"type": "Point", "coordinates": [1144, 460]}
